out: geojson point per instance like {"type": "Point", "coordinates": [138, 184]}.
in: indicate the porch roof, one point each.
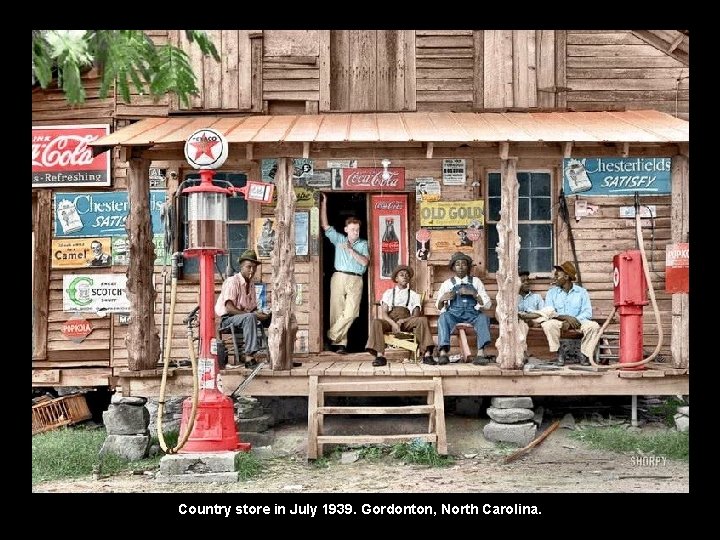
{"type": "Point", "coordinates": [439, 127]}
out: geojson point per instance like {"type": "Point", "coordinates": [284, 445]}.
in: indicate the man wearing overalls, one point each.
{"type": "Point", "coordinates": [460, 300]}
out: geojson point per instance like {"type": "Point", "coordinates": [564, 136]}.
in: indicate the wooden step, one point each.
{"type": "Point", "coordinates": [434, 409]}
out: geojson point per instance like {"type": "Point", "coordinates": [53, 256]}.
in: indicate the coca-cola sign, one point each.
{"type": "Point", "coordinates": [62, 156]}
{"type": "Point", "coordinates": [372, 179]}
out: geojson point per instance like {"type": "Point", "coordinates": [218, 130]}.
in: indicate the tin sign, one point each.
{"type": "Point", "coordinates": [61, 156]}
{"type": "Point", "coordinates": [76, 329]}
{"type": "Point", "coordinates": [91, 293]}
{"type": "Point", "coordinates": [617, 176]}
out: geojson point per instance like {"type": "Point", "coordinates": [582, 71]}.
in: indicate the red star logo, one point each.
{"type": "Point", "coordinates": [204, 146]}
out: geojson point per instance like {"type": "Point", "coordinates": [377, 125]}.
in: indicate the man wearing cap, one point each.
{"type": "Point", "coordinates": [461, 299]}
{"type": "Point", "coordinates": [572, 309]}
{"type": "Point", "coordinates": [346, 285]}
{"type": "Point", "coordinates": [400, 311]}
{"type": "Point", "coordinates": [237, 306]}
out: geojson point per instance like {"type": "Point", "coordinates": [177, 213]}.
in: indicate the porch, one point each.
{"type": "Point", "coordinates": [458, 379]}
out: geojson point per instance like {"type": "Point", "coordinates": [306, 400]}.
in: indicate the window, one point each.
{"type": "Point", "coordinates": [238, 226]}
{"type": "Point", "coordinates": [534, 221]}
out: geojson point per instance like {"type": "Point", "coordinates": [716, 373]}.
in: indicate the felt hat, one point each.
{"type": "Point", "coordinates": [248, 255]}
{"type": "Point", "coordinates": [458, 256]}
{"type": "Point", "coordinates": [568, 268]}
{"type": "Point", "coordinates": [405, 267]}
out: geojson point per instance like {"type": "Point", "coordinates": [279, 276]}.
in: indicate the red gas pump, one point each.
{"type": "Point", "coordinates": [630, 293]}
{"type": "Point", "coordinates": [206, 149]}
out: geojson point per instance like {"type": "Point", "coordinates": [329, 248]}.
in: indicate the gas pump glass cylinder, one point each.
{"type": "Point", "coordinates": [207, 215]}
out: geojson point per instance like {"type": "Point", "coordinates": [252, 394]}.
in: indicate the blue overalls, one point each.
{"type": "Point", "coordinates": [462, 309]}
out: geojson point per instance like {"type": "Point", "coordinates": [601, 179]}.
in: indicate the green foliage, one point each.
{"type": "Point", "coordinates": [420, 452]}
{"type": "Point", "coordinates": [74, 452]}
{"type": "Point", "coordinates": [371, 453]}
{"type": "Point", "coordinates": [247, 465]}
{"type": "Point", "coordinates": [125, 58]}
{"type": "Point", "coordinates": [669, 443]}
{"type": "Point", "coordinates": [667, 410]}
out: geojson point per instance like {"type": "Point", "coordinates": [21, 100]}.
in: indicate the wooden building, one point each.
{"type": "Point", "coordinates": [484, 121]}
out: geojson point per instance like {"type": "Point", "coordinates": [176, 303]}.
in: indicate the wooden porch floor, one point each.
{"type": "Point", "coordinates": [459, 379]}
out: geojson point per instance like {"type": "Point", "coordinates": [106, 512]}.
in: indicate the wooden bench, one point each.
{"type": "Point", "coordinates": [434, 408]}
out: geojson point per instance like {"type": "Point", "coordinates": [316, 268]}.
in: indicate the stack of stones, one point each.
{"type": "Point", "coordinates": [172, 414]}
{"type": "Point", "coordinates": [682, 419]}
{"type": "Point", "coordinates": [511, 420]}
{"type": "Point", "coordinates": [126, 422]}
{"type": "Point", "coordinates": [252, 422]}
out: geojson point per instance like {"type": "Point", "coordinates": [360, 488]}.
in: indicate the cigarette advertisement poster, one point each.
{"type": "Point", "coordinates": [388, 246]}
{"type": "Point", "coordinates": [617, 176]}
{"type": "Point", "coordinates": [81, 252]}
{"type": "Point", "coordinates": [100, 214]}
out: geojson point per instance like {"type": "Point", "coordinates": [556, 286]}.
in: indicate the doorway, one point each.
{"type": "Point", "coordinates": [341, 206]}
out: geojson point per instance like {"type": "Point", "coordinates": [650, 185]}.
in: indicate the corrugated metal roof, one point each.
{"type": "Point", "coordinates": [626, 126]}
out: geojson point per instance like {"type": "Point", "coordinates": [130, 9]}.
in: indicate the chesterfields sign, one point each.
{"type": "Point", "coordinates": [61, 156]}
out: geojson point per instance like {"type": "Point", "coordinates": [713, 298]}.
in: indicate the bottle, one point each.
{"type": "Point", "coordinates": [389, 249]}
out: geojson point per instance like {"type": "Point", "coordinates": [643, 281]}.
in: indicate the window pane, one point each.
{"type": "Point", "coordinates": [541, 184]}
{"type": "Point", "coordinates": [237, 243]}
{"type": "Point", "coordinates": [492, 242]}
{"type": "Point", "coordinates": [494, 184]}
{"type": "Point", "coordinates": [524, 181]}
{"type": "Point", "coordinates": [494, 208]}
{"type": "Point", "coordinates": [237, 206]}
{"type": "Point", "coordinates": [540, 208]}
{"type": "Point", "coordinates": [535, 236]}
{"type": "Point", "coordinates": [523, 209]}
{"type": "Point", "coordinates": [536, 260]}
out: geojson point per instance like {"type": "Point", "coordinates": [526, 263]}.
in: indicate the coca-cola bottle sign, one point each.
{"type": "Point", "coordinates": [62, 156]}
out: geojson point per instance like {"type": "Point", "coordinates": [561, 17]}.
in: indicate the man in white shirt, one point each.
{"type": "Point", "coordinates": [461, 299]}
{"type": "Point", "coordinates": [400, 311]}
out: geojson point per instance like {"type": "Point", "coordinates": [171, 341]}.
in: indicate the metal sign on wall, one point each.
{"type": "Point", "coordinates": [617, 176]}
{"type": "Point", "coordinates": [100, 214]}
{"type": "Point", "coordinates": [457, 214]}
{"type": "Point", "coordinates": [61, 156]}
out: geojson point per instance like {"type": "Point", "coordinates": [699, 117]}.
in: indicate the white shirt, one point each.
{"type": "Point", "coordinates": [401, 298]}
{"type": "Point", "coordinates": [449, 284]}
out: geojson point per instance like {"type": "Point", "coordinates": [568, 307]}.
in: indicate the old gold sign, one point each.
{"type": "Point", "coordinates": [459, 214]}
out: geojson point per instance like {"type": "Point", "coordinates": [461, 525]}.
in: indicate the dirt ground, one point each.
{"type": "Point", "coordinates": [560, 464]}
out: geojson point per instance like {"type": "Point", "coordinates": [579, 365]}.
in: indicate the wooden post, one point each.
{"type": "Point", "coordinates": [281, 336]}
{"type": "Point", "coordinates": [510, 344]}
{"type": "Point", "coordinates": [43, 220]}
{"type": "Point", "coordinates": [679, 223]}
{"type": "Point", "coordinates": [142, 340]}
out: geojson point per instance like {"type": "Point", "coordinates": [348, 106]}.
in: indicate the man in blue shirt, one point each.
{"type": "Point", "coordinates": [352, 256]}
{"type": "Point", "coordinates": [529, 304]}
{"type": "Point", "coordinates": [572, 310]}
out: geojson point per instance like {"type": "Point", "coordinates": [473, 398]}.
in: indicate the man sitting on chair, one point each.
{"type": "Point", "coordinates": [237, 306]}
{"type": "Point", "coordinates": [400, 311]}
{"type": "Point", "coordinates": [460, 300]}
{"type": "Point", "coordinates": [572, 309]}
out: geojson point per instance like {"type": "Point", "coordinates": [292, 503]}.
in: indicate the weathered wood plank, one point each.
{"type": "Point", "coordinates": [545, 61]}
{"type": "Point", "coordinates": [561, 57]}
{"type": "Point", "coordinates": [409, 39]}
{"type": "Point", "coordinates": [444, 42]}
{"type": "Point", "coordinates": [618, 62]}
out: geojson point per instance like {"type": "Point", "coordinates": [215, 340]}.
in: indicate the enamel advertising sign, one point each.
{"type": "Point", "coordinates": [61, 156]}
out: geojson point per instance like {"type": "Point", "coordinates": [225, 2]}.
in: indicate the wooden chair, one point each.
{"type": "Point", "coordinates": [402, 340]}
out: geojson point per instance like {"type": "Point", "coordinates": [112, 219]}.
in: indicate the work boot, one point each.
{"type": "Point", "coordinates": [443, 359]}
{"type": "Point", "coordinates": [560, 361]}
{"type": "Point", "coordinates": [379, 361]}
{"type": "Point", "coordinates": [584, 360]}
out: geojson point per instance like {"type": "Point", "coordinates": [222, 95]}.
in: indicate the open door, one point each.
{"type": "Point", "coordinates": [341, 206]}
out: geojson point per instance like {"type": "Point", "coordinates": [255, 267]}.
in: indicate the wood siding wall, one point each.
{"type": "Point", "coordinates": [609, 70]}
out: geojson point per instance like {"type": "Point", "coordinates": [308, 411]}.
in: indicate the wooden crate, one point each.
{"type": "Point", "coordinates": [62, 411]}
